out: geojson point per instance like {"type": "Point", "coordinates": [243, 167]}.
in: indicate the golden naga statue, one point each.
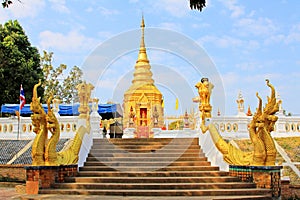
{"type": "Point", "coordinates": [260, 127]}
{"type": "Point", "coordinates": [44, 149]}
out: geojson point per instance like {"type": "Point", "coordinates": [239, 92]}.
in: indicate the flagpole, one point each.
{"type": "Point", "coordinates": [22, 103]}
{"type": "Point", "coordinates": [19, 116]}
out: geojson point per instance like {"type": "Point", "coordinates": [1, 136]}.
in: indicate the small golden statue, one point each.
{"type": "Point", "coordinates": [131, 117]}
{"type": "Point", "coordinates": [84, 93]}
{"type": "Point", "coordinates": [260, 127]}
{"type": "Point", "coordinates": [204, 89]}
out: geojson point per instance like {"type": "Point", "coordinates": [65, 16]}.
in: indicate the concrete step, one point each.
{"type": "Point", "coordinates": [171, 192]}
{"type": "Point", "coordinates": [154, 186]}
{"type": "Point", "coordinates": [145, 145]}
{"type": "Point", "coordinates": [115, 197]}
{"type": "Point", "coordinates": [149, 154]}
{"type": "Point", "coordinates": [166, 168]}
{"type": "Point", "coordinates": [164, 151]}
{"type": "Point", "coordinates": [147, 163]}
{"type": "Point", "coordinates": [157, 179]}
{"type": "Point", "coordinates": [165, 141]}
{"type": "Point", "coordinates": [151, 173]}
{"type": "Point", "coordinates": [160, 167]}
{"type": "Point", "coordinates": [142, 159]}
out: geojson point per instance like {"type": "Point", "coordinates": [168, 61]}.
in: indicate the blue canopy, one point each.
{"type": "Point", "coordinates": [64, 109]}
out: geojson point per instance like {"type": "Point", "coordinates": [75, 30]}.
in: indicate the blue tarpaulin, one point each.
{"type": "Point", "coordinates": [64, 109]}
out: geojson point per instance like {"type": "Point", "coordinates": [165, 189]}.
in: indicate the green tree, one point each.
{"type": "Point", "coordinates": [69, 91]}
{"type": "Point", "coordinates": [52, 83]}
{"type": "Point", "coordinates": [55, 83]}
{"type": "Point", "coordinates": [19, 63]}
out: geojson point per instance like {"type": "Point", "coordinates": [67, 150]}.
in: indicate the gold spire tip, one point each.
{"type": "Point", "coordinates": [143, 23]}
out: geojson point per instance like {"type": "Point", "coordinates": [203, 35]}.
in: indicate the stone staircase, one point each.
{"type": "Point", "coordinates": [154, 167]}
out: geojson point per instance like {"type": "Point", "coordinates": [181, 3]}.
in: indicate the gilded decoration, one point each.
{"type": "Point", "coordinates": [260, 128]}
{"type": "Point", "coordinates": [44, 149]}
{"type": "Point", "coordinates": [142, 105]}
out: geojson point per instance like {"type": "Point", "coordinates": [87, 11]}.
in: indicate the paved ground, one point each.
{"type": "Point", "coordinates": [9, 193]}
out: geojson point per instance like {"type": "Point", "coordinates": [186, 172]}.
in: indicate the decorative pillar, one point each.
{"type": "Point", "coordinates": [95, 119]}
{"type": "Point", "coordinates": [186, 123]}
{"type": "Point", "coordinates": [84, 94]}
{"type": "Point", "coordinates": [43, 177]}
{"type": "Point", "coordinates": [55, 108]}
{"type": "Point", "coordinates": [264, 176]}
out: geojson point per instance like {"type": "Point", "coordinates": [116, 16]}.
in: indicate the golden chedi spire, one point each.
{"type": "Point", "coordinates": [142, 103]}
{"type": "Point", "coordinates": [142, 74]}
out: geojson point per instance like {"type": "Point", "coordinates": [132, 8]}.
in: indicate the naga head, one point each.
{"type": "Point", "coordinates": [272, 105]}
{"type": "Point", "coordinates": [35, 105]}
{"type": "Point", "coordinates": [35, 89]}
{"type": "Point", "coordinates": [49, 103]}
{"type": "Point", "coordinates": [38, 115]}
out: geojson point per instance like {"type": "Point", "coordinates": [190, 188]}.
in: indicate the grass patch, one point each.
{"type": "Point", "coordinates": [291, 145]}
{"type": "Point", "coordinates": [287, 171]}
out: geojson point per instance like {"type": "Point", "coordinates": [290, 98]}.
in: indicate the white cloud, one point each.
{"type": "Point", "coordinates": [257, 27]}
{"type": "Point", "coordinates": [249, 66]}
{"type": "Point", "coordinates": [173, 7]}
{"type": "Point", "coordinates": [235, 9]}
{"type": "Point", "coordinates": [25, 8]}
{"type": "Point", "coordinates": [105, 34]}
{"type": "Point", "coordinates": [201, 25]}
{"type": "Point", "coordinates": [59, 5]}
{"type": "Point", "coordinates": [107, 12]}
{"type": "Point", "coordinates": [294, 35]}
{"type": "Point", "coordinates": [171, 26]}
{"type": "Point", "coordinates": [275, 39]}
{"type": "Point", "coordinates": [223, 42]}
{"type": "Point", "coordinates": [288, 37]}
{"type": "Point", "coordinates": [3, 16]}
{"type": "Point", "coordinates": [133, 1]}
{"type": "Point", "coordinates": [70, 42]}
{"type": "Point", "coordinates": [230, 79]}
{"type": "Point", "coordinates": [89, 9]}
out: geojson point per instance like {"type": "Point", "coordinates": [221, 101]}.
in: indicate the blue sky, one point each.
{"type": "Point", "coordinates": [246, 41]}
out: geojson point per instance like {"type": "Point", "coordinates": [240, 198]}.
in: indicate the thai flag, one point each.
{"type": "Point", "coordinates": [22, 98]}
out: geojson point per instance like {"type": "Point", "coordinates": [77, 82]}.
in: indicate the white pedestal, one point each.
{"type": "Point", "coordinates": [128, 133]}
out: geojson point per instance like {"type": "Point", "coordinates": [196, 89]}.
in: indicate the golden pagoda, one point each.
{"type": "Point", "coordinates": [143, 101]}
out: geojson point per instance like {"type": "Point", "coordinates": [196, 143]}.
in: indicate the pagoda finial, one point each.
{"type": "Point", "coordinates": [249, 113]}
{"type": "Point", "coordinates": [143, 22]}
{"type": "Point", "coordinates": [142, 44]}
{"type": "Point", "coordinates": [142, 74]}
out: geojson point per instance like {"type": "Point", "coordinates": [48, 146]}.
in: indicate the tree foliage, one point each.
{"type": "Point", "coordinates": [19, 63]}
{"type": "Point", "coordinates": [6, 3]}
{"type": "Point", "coordinates": [55, 83]}
{"type": "Point", "coordinates": [197, 4]}
{"type": "Point", "coordinates": [69, 91]}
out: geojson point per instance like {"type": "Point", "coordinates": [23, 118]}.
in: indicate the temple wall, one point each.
{"type": "Point", "coordinates": [68, 127]}
{"type": "Point", "coordinates": [228, 126]}
{"type": "Point", "coordinates": [12, 173]}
